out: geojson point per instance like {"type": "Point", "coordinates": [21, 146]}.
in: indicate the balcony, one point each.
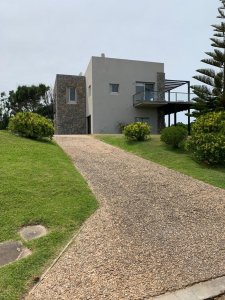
{"type": "Point", "coordinates": [169, 101]}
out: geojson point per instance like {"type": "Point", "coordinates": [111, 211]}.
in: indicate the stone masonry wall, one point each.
{"type": "Point", "coordinates": [160, 86]}
{"type": "Point", "coordinates": [161, 120]}
{"type": "Point", "coordinates": [161, 97]}
{"type": "Point", "coordinates": [70, 118]}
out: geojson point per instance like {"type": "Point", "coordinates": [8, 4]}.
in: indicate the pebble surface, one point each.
{"type": "Point", "coordinates": [156, 230]}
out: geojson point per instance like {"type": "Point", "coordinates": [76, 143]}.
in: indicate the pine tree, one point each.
{"type": "Point", "coordinates": [211, 95]}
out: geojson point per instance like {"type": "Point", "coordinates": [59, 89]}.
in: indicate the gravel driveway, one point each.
{"type": "Point", "coordinates": [155, 231]}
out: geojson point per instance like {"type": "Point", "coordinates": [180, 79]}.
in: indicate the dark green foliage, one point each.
{"type": "Point", "coordinates": [4, 120]}
{"type": "Point", "coordinates": [174, 136]}
{"type": "Point", "coordinates": [207, 142]}
{"type": "Point", "coordinates": [137, 131]}
{"type": "Point", "coordinates": [121, 126]}
{"type": "Point", "coordinates": [37, 99]}
{"type": "Point", "coordinates": [182, 125]}
{"type": "Point", "coordinates": [28, 98]}
{"type": "Point", "coordinates": [4, 111]}
{"type": "Point", "coordinates": [210, 96]}
{"type": "Point", "coordinates": [31, 125]}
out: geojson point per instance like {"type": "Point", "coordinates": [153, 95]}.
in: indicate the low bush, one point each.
{"type": "Point", "coordinates": [174, 136]}
{"type": "Point", "coordinates": [31, 125]}
{"type": "Point", "coordinates": [137, 131]}
{"type": "Point", "coordinates": [207, 142]}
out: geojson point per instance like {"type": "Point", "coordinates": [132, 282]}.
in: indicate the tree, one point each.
{"type": "Point", "coordinates": [210, 96]}
{"type": "Point", "coordinates": [37, 99]}
{"type": "Point", "coordinates": [4, 110]}
{"type": "Point", "coordinates": [28, 98]}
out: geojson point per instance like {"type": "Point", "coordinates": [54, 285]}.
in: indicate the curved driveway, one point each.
{"type": "Point", "coordinates": [156, 230]}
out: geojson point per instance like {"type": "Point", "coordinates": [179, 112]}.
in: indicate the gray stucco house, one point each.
{"type": "Point", "coordinates": [114, 91]}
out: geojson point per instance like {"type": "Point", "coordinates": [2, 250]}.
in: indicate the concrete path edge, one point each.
{"type": "Point", "coordinates": [199, 291]}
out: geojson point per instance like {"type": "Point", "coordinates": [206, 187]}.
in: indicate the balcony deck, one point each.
{"type": "Point", "coordinates": [169, 102]}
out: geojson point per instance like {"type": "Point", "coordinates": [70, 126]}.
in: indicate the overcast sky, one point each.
{"type": "Point", "coordinates": [40, 38]}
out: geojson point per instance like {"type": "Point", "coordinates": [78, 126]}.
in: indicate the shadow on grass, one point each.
{"type": "Point", "coordinates": [39, 140]}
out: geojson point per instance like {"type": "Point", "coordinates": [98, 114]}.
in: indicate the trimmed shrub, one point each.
{"type": "Point", "coordinates": [31, 125]}
{"type": "Point", "coordinates": [207, 142]}
{"type": "Point", "coordinates": [174, 136]}
{"type": "Point", "coordinates": [137, 131]}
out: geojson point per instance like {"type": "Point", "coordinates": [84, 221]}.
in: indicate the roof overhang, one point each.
{"type": "Point", "coordinates": [173, 84]}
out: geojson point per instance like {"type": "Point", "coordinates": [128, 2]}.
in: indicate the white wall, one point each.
{"type": "Point", "coordinates": [109, 110]}
{"type": "Point", "coordinates": [89, 99]}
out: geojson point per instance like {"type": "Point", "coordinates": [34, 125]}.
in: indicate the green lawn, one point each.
{"type": "Point", "coordinates": [178, 160]}
{"type": "Point", "coordinates": [38, 185]}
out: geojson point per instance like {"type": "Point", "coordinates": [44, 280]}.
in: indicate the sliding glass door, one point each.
{"type": "Point", "coordinates": [145, 90]}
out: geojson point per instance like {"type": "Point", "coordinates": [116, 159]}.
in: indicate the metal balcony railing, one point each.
{"type": "Point", "coordinates": [149, 97]}
{"type": "Point", "coordinates": [179, 97]}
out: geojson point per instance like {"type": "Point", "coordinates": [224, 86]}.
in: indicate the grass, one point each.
{"type": "Point", "coordinates": [38, 185]}
{"type": "Point", "coordinates": [178, 160]}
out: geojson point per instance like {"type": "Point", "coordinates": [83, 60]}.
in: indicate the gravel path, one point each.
{"type": "Point", "coordinates": [156, 230]}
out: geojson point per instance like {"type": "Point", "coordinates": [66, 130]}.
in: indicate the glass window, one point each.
{"type": "Point", "coordinates": [140, 87]}
{"type": "Point", "coordinates": [143, 120]}
{"type": "Point", "coordinates": [145, 90]}
{"type": "Point", "coordinates": [149, 91]}
{"type": "Point", "coordinates": [114, 88]}
{"type": "Point", "coordinates": [71, 95]}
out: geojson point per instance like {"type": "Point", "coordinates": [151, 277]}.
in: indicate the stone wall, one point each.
{"type": "Point", "coordinates": [70, 118]}
{"type": "Point", "coordinates": [161, 86]}
{"type": "Point", "coordinates": [161, 97]}
{"type": "Point", "coordinates": [161, 120]}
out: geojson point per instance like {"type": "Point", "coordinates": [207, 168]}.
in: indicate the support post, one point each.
{"type": "Point", "coordinates": [189, 92]}
{"type": "Point", "coordinates": [189, 122]}
{"type": "Point", "coordinates": [189, 100]}
{"type": "Point", "coordinates": [168, 120]}
{"type": "Point", "coordinates": [175, 117]}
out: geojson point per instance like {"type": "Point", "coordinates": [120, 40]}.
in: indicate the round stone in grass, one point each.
{"type": "Point", "coordinates": [32, 232]}
{"type": "Point", "coordinates": [11, 251]}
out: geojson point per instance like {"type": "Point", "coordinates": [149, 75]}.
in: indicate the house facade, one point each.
{"type": "Point", "coordinates": [113, 91]}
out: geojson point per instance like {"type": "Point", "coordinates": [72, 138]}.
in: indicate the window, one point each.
{"type": "Point", "coordinates": [143, 120]}
{"type": "Point", "coordinates": [114, 88]}
{"type": "Point", "coordinates": [145, 90]}
{"type": "Point", "coordinates": [71, 95]}
{"type": "Point", "coordinates": [89, 91]}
